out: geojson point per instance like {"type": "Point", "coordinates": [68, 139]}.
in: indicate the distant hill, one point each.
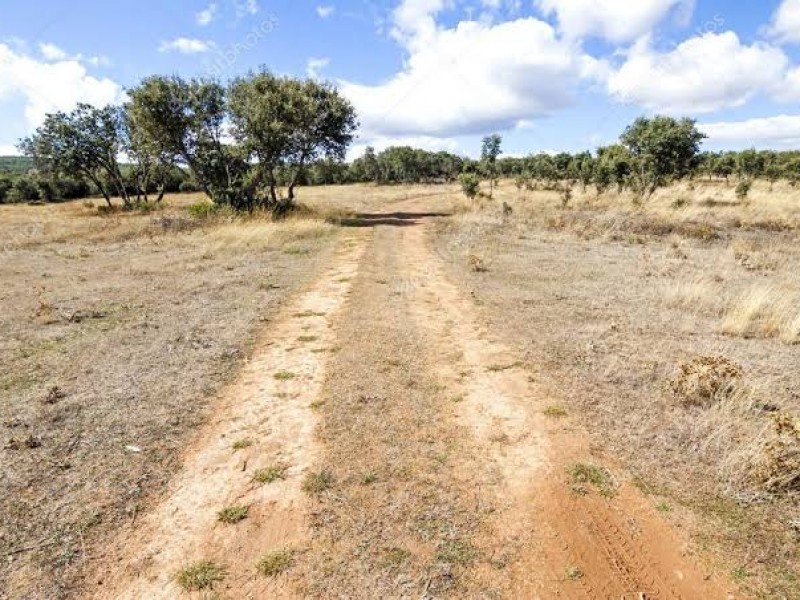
{"type": "Point", "coordinates": [15, 165]}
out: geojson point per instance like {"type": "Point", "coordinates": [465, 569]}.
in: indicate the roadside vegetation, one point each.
{"type": "Point", "coordinates": [666, 328]}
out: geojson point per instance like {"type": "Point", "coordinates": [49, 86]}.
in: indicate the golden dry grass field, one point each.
{"type": "Point", "coordinates": [403, 394]}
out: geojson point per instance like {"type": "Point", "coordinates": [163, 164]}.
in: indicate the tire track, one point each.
{"type": "Point", "coordinates": [268, 413]}
{"type": "Point", "coordinates": [565, 544]}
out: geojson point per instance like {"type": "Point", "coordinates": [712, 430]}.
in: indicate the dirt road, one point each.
{"type": "Point", "coordinates": [417, 457]}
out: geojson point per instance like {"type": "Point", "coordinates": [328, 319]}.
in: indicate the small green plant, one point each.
{"type": "Point", "coordinates": [679, 203]}
{"type": "Point", "coordinates": [740, 573]}
{"type": "Point", "coordinates": [582, 474]}
{"type": "Point", "coordinates": [456, 552]}
{"type": "Point", "coordinates": [566, 196]}
{"type": "Point", "coordinates": [394, 557]}
{"type": "Point", "coordinates": [201, 210]}
{"type": "Point", "coordinates": [242, 444]}
{"type": "Point", "coordinates": [574, 573]}
{"type": "Point", "coordinates": [369, 478]}
{"type": "Point", "coordinates": [270, 474]}
{"type": "Point", "coordinates": [233, 514]}
{"type": "Point", "coordinates": [743, 189]}
{"type": "Point", "coordinates": [316, 483]}
{"type": "Point", "coordinates": [663, 507]}
{"type": "Point", "coordinates": [555, 412]}
{"type": "Point", "coordinates": [199, 576]}
{"type": "Point", "coordinates": [308, 313]}
{"type": "Point", "coordinates": [284, 376]}
{"type": "Point", "coordinates": [470, 184]}
{"type": "Point", "coordinates": [275, 563]}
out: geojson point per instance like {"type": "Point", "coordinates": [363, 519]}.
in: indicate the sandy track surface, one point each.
{"type": "Point", "coordinates": [268, 412]}
{"type": "Point", "coordinates": [448, 480]}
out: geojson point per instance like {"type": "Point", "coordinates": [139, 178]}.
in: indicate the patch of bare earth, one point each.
{"type": "Point", "coordinates": [264, 421]}
{"type": "Point", "coordinates": [448, 481]}
{"type": "Point", "coordinates": [547, 537]}
{"type": "Point", "coordinates": [401, 513]}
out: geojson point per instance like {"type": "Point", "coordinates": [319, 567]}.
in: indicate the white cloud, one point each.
{"type": "Point", "coordinates": [325, 10]}
{"type": "Point", "coordinates": [8, 150]}
{"type": "Point", "coordinates": [206, 16]}
{"type": "Point", "coordinates": [789, 89]}
{"type": "Point", "coordinates": [246, 8]}
{"type": "Point", "coordinates": [52, 52]}
{"type": "Point", "coordinates": [785, 26]}
{"type": "Point", "coordinates": [51, 86]}
{"type": "Point", "coordinates": [415, 20]}
{"type": "Point", "coordinates": [781, 130]}
{"type": "Point", "coordinates": [701, 75]}
{"type": "Point", "coordinates": [473, 78]}
{"type": "Point", "coordinates": [186, 46]}
{"type": "Point", "coordinates": [314, 65]}
{"type": "Point", "coordinates": [616, 20]}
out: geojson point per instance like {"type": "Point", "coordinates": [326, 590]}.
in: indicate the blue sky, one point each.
{"type": "Point", "coordinates": [547, 74]}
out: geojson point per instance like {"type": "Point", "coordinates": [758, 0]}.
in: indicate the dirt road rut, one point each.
{"type": "Point", "coordinates": [448, 480]}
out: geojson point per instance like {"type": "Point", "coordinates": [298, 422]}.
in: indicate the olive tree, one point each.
{"type": "Point", "coordinates": [490, 150]}
{"type": "Point", "coordinates": [183, 121]}
{"type": "Point", "coordinates": [85, 142]}
{"type": "Point", "coordinates": [663, 148]}
{"type": "Point", "coordinates": [280, 121]}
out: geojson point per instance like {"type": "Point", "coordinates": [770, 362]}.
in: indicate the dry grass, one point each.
{"type": "Point", "coordinates": [233, 514]}
{"type": "Point", "coordinates": [698, 295]}
{"type": "Point", "coordinates": [614, 304]}
{"type": "Point", "coordinates": [266, 235]}
{"type": "Point", "coordinates": [275, 563]}
{"type": "Point", "coordinates": [270, 474]}
{"type": "Point", "coordinates": [137, 320]}
{"type": "Point", "coordinates": [202, 575]}
{"type": "Point", "coordinates": [764, 310]}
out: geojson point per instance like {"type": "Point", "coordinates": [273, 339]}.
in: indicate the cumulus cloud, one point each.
{"type": "Point", "coordinates": [789, 89]}
{"type": "Point", "coordinates": [186, 46]}
{"type": "Point", "coordinates": [206, 16]}
{"type": "Point", "coordinates": [51, 86]}
{"type": "Point", "coordinates": [614, 20]}
{"type": "Point", "coordinates": [783, 130]}
{"type": "Point", "coordinates": [52, 52]}
{"type": "Point", "coordinates": [325, 10]}
{"type": "Point", "coordinates": [315, 65]}
{"type": "Point", "coordinates": [701, 75]}
{"type": "Point", "coordinates": [471, 78]}
{"type": "Point", "coordinates": [785, 26]}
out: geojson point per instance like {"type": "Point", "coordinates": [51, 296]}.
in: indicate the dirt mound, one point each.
{"type": "Point", "coordinates": [706, 380]}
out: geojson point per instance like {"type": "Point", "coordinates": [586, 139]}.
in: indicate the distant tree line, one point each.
{"type": "Point", "coordinates": [251, 143]}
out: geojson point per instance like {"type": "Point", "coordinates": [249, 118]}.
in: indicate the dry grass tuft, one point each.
{"type": "Point", "coordinates": [764, 311]}
{"type": "Point", "coordinates": [270, 474]}
{"type": "Point", "coordinates": [707, 380]}
{"type": "Point", "coordinates": [275, 563]}
{"type": "Point", "coordinates": [199, 576]}
{"type": "Point", "coordinates": [700, 294]}
{"type": "Point", "coordinates": [600, 478]}
{"type": "Point", "coordinates": [316, 483]}
{"type": "Point", "coordinates": [233, 514]}
{"type": "Point", "coordinates": [265, 234]}
{"type": "Point", "coordinates": [777, 467]}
